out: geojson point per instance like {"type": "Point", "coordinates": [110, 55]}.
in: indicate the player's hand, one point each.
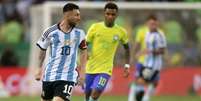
{"type": "Point", "coordinates": [126, 72]}
{"type": "Point", "coordinates": [38, 74]}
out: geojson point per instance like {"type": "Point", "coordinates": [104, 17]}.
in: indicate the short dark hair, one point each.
{"type": "Point", "coordinates": [152, 17]}
{"type": "Point", "coordinates": [111, 5]}
{"type": "Point", "coordinates": [70, 7]}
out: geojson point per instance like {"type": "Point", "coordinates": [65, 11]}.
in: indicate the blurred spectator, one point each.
{"type": "Point", "coordinates": [198, 34]}
{"type": "Point", "coordinates": [23, 7]}
{"type": "Point", "coordinates": [2, 12]}
{"type": "Point", "coordinates": [2, 17]}
{"type": "Point", "coordinates": [174, 30]}
{"type": "Point", "coordinates": [9, 7]}
{"type": "Point", "coordinates": [12, 30]}
{"type": "Point", "coordinates": [175, 41]}
{"type": "Point", "coordinates": [191, 54]}
{"type": "Point", "coordinates": [8, 58]}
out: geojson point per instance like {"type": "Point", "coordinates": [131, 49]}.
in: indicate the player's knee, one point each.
{"type": "Point", "coordinates": [141, 81]}
{"type": "Point", "coordinates": [94, 97]}
{"type": "Point", "coordinates": [155, 84]}
{"type": "Point", "coordinates": [95, 94]}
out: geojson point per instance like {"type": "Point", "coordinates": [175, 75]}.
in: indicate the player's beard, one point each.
{"type": "Point", "coordinates": [110, 23]}
{"type": "Point", "coordinates": [72, 24]}
{"type": "Point", "coordinates": [153, 30]}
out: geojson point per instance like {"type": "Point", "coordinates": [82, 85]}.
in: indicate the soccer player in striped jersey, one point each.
{"type": "Point", "coordinates": [139, 45]}
{"type": "Point", "coordinates": [104, 38]}
{"type": "Point", "coordinates": [64, 39]}
{"type": "Point", "coordinates": [148, 67]}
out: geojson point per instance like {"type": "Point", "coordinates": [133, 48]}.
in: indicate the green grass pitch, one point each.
{"type": "Point", "coordinates": [110, 98]}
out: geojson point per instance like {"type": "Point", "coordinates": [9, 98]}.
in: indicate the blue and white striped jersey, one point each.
{"type": "Point", "coordinates": [61, 64]}
{"type": "Point", "coordinates": [154, 40]}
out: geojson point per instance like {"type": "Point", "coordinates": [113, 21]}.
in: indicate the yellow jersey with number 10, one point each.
{"type": "Point", "coordinates": [104, 41]}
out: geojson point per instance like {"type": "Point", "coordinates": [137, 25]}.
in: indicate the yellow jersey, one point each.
{"type": "Point", "coordinates": [104, 41]}
{"type": "Point", "coordinates": [140, 38]}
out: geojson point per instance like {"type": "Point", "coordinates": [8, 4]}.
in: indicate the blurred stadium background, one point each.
{"type": "Point", "coordinates": [22, 21]}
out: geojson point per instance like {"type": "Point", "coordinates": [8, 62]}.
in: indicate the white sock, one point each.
{"type": "Point", "coordinates": [131, 95]}
{"type": "Point", "coordinates": [134, 90]}
{"type": "Point", "coordinates": [91, 99]}
{"type": "Point", "coordinates": [148, 93]}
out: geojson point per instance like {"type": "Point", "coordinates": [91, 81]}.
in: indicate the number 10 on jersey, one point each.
{"type": "Point", "coordinates": [65, 50]}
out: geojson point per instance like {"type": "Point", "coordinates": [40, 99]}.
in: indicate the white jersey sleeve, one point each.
{"type": "Point", "coordinates": [44, 40]}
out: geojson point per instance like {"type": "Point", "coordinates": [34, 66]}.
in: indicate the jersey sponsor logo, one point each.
{"type": "Point", "coordinates": [69, 42]}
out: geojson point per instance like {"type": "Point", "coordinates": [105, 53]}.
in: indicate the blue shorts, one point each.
{"type": "Point", "coordinates": [96, 81]}
{"type": "Point", "coordinates": [138, 68]}
{"type": "Point", "coordinates": [138, 73]}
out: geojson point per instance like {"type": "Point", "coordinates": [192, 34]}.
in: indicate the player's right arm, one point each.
{"type": "Point", "coordinates": [43, 44]}
{"type": "Point", "coordinates": [83, 60]}
{"type": "Point", "coordinates": [42, 55]}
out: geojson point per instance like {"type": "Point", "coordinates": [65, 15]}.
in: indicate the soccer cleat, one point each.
{"type": "Point", "coordinates": [139, 96]}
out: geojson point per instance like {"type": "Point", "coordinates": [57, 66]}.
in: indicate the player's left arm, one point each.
{"type": "Point", "coordinates": [83, 57]}
{"type": "Point", "coordinates": [127, 53]}
{"type": "Point", "coordinates": [127, 60]}
{"type": "Point", "coordinates": [83, 60]}
{"type": "Point", "coordinates": [124, 40]}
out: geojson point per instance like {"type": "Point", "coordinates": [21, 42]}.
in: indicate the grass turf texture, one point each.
{"type": "Point", "coordinates": [110, 98]}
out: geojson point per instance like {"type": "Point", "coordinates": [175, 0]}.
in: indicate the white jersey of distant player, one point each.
{"type": "Point", "coordinates": [61, 64]}
{"type": "Point", "coordinates": [154, 40]}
